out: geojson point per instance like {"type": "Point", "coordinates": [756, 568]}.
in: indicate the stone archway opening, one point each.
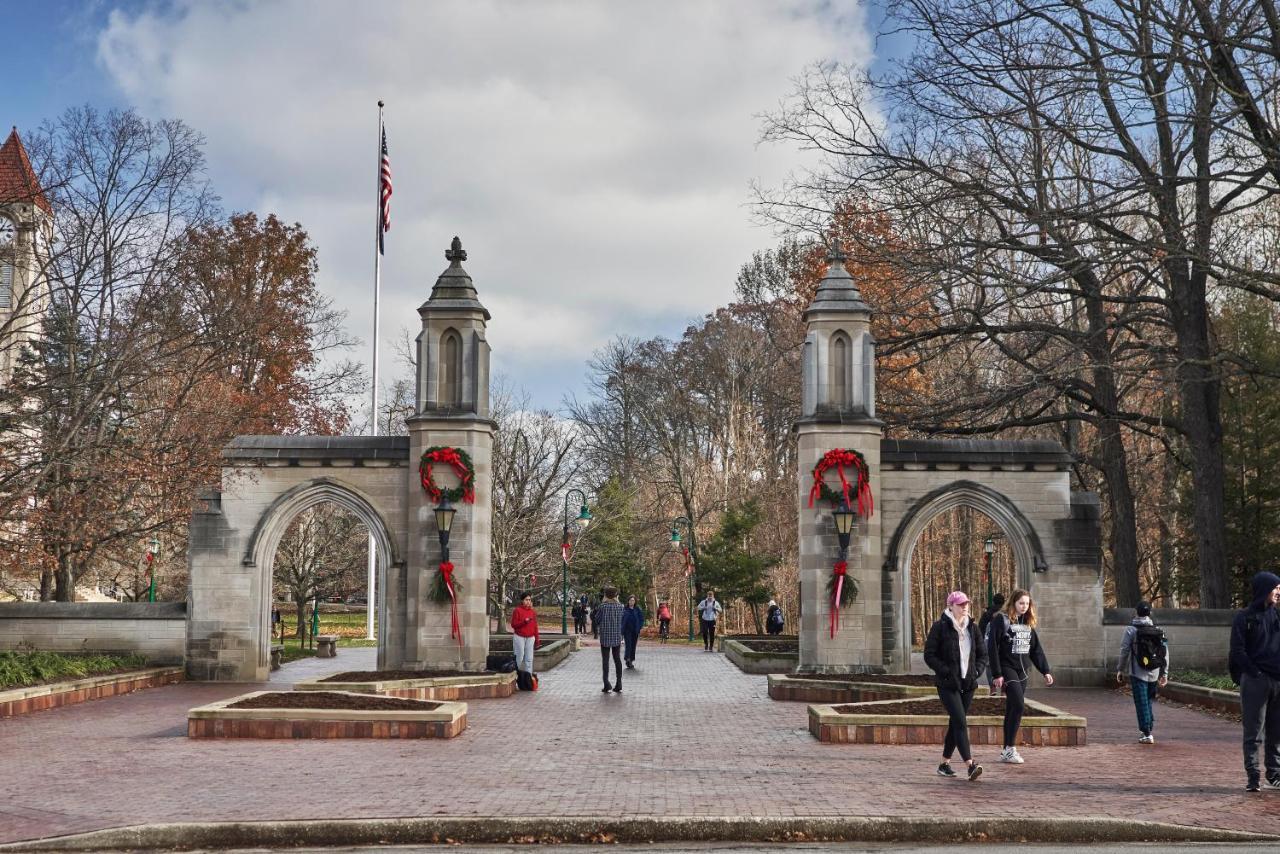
{"type": "Point", "coordinates": [950, 554]}
{"type": "Point", "coordinates": [309, 515]}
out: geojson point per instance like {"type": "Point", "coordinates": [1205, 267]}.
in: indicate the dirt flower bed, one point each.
{"type": "Point", "coordinates": [857, 678]}
{"type": "Point", "coordinates": [398, 675]}
{"type": "Point", "coordinates": [333, 700]}
{"type": "Point", "coordinates": [771, 645]}
{"type": "Point", "coordinates": [933, 706]}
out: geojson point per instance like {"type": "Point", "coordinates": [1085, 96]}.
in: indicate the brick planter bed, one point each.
{"type": "Point", "coordinates": [1209, 698]}
{"type": "Point", "coordinates": [418, 685]}
{"type": "Point", "coordinates": [325, 714]}
{"type": "Point", "coordinates": [923, 721]}
{"type": "Point", "coordinates": [545, 657]}
{"type": "Point", "coordinates": [36, 698]}
{"type": "Point", "coordinates": [851, 688]}
{"type": "Point", "coordinates": [763, 656]}
{"type": "Point", "coordinates": [794, 640]}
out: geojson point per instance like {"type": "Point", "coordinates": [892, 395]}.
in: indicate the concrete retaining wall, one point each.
{"type": "Point", "coordinates": [157, 630]}
{"type": "Point", "coordinates": [1198, 639]}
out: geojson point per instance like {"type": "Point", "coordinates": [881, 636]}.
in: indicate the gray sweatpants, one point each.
{"type": "Point", "coordinates": [1260, 711]}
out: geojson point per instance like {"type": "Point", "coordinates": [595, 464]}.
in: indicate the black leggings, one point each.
{"type": "Point", "coordinates": [957, 704]}
{"type": "Point", "coordinates": [1015, 693]}
{"type": "Point", "coordinates": [709, 634]}
{"type": "Point", "coordinates": [617, 662]}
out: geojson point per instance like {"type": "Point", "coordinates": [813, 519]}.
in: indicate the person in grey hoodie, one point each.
{"type": "Point", "coordinates": [1145, 681]}
{"type": "Point", "coordinates": [1255, 667]}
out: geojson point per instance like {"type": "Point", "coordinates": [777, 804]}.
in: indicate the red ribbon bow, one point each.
{"type": "Point", "coordinates": [840, 570]}
{"type": "Point", "coordinates": [446, 572]}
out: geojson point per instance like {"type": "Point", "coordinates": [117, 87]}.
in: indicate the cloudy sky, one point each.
{"type": "Point", "coordinates": [594, 157]}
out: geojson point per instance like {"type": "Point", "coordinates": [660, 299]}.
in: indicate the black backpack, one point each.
{"type": "Point", "coordinates": [1149, 648]}
{"type": "Point", "coordinates": [776, 618]}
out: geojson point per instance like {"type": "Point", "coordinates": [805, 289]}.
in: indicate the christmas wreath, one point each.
{"type": "Point", "coordinates": [460, 462]}
{"type": "Point", "coordinates": [445, 588]}
{"type": "Point", "coordinates": [840, 459]}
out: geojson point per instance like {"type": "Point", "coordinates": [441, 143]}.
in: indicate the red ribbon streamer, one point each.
{"type": "Point", "coordinates": [840, 570]}
{"type": "Point", "coordinates": [446, 572]}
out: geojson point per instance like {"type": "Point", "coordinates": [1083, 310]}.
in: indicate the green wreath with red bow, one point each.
{"type": "Point", "coordinates": [460, 462]}
{"type": "Point", "coordinates": [841, 459]}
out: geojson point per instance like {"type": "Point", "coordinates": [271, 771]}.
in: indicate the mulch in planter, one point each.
{"type": "Point", "coordinates": [858, 678]}
{"type": "Point", "coordinates": [771, 646]}
{"type": "Point", "coordinates": [333, 700]}
{"type": "Point", "coordinates": [395, 675]}
{"type": "Point", "coordinates": [933, 706]}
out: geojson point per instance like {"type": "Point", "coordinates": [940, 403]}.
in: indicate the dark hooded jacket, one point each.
{"type": "Point", "coordinates": [1255, 633]}
{"type": "Point", "coordinates": [942, 654]}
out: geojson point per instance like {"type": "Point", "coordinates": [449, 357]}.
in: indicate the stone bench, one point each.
{"type": "Point", "coordinates": [277, 650]}
{"type": "Point", "coordinates": [326, 646]}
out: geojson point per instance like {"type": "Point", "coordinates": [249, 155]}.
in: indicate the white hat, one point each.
{"type": "Point", "coordinates": [772, 603]}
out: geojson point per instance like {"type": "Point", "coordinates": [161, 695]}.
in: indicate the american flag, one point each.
{"type": "Point", "coordinates": [384, 185]}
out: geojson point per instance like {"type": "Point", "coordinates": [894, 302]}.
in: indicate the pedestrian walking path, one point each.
{"type": "Point", "coordinates": [689, 736]}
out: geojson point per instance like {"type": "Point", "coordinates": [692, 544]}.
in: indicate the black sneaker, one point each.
{"type": "Point", "coordinates": [606, 688]}
{"type": "Point", "coordinates": [1253, 786]}
{"type": "Point", "coordinates": [945, 770]}
{"type": "Point", "coordinates": [1272, 783]}
{"type": "Point", "coordinates": [618, 690]}
{"type": "Point", "coordinates": [975, 771]}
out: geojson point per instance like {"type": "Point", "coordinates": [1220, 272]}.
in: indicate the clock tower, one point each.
{"type": "Point", "coordinates": [25, 231]}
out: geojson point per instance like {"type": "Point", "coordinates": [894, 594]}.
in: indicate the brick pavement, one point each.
{"type": "Point", "coordinates": [690, 736]}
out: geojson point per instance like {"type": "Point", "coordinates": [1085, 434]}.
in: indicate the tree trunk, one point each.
{"type": "Point", "coordinates": [301, 606]}
{"type": "Point", "coordinates": [64, 586]}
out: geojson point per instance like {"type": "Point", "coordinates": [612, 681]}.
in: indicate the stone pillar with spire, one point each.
{"type": "Point", "coordinates": [452, 409]}
{"type": "Point", "coordinates": [838, 411]}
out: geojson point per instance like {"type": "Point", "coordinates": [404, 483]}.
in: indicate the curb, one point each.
{"type": "Point", "coordinates": [536, 830]}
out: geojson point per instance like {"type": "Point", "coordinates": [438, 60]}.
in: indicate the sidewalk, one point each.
{"type": "Point", "coordinates": [691, 736]}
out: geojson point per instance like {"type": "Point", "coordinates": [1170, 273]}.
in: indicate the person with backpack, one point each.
{"type": "Point", "coordinates": [709, 610]}
{"type": "Point", "coordinates": [993, 608]}
{"type": "Point", "coordinates": [608, 623]}
{"type": "Point", "coordinates": [1144, 654]}
{"type": "Point", "coordinates": [524, 639]}
{"type": "Point", "coordinates": [1013, 646]}
{"type": "Point", "coordinates": [664, 621]}
{"type": "Point", "coordinates": [579, 619]}
{"type": "Point", "coordinates": [632, 623]}
{"type": "Point", "coordinates": [773, 620]}
{"type": "Point", "coordinates": [1255, 666]}
{"type": "Point", "coordinates": [954, 651]}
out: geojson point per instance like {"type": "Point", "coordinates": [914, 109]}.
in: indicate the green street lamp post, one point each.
{"type": "Point", "coordinates": [583, 519]}
{"type": "Point", "coordinates": [153, 549]}
{"type": "Point", "coordinates": [690, 560]}
{"type": "Point", "coordinates": [988, 549]}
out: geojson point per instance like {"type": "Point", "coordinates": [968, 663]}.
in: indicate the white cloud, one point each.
{"type": "Point", "coordinates": [594, 157]}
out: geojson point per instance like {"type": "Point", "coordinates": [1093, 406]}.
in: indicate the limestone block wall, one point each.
{"type": "Point", "coordinates": [856, 646]}
{"type": "Point", "coordinates": [1198, 640]}
{"type": "Point", "coordinates": [157, 630]}
{"type": "Point", "coordinates": [428, 644]}
{"type": "Point", "coordinates": [267, 480]}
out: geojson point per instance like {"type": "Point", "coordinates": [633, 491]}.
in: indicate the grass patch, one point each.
{"type": "Point", "coordinates": [294, 650]}
{"type": "Point", "coordinates": [1220, 681]}
{"type": "Point", "coordinates": [23, 669]}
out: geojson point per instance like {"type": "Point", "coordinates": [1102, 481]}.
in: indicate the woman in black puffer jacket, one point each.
{"type": "Point", "coordinates": [1013, 647]}
{"type": "Point", "coordinates": [955, 652]}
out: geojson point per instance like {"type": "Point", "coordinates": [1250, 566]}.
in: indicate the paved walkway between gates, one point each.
{"type": "Point", "coordinates": [689, 736]}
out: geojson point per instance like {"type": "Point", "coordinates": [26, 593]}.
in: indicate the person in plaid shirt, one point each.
{"type": "Point", "coordinates": [609, 616]}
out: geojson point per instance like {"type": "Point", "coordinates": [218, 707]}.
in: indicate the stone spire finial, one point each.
{"type": "Point", "coordinates": [455, 253]}
{"type": "Point", "coordinates": [837, 291]}
{"type": "Point", "coordinates": [835, 251]}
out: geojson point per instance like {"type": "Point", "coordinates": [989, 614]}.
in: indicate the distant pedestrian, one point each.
{"type": "Point", "coordinates": [709, 610]}
{"type": "Point", "coordinates": [993, 607]}
{"type": "Point", "coordinates": [595, 619]}
{"type": "Point", "coordinates": [608, 623]}
{"type": "Point", "coordinates": [1014, 645]}
{"type": "Point", "coordinates": [773, 619]}
{"type": "Point", "coordinates": [579, 619]}
{"type": "Point", "coordinates": [524, 633]}
{"type": "Point", "coordinates": [1255, 667]}
{"type": "Point", "coordinates": [957, 656]}
{"type": "Point", "coordinates": [1144, 658]}
{"type": "Point", "coordinates": [664, 622]}
{"type": "Point", "coordinates": [632, 623]}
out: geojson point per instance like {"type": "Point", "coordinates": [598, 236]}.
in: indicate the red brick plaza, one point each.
{"type": "Point", "coordinates": [690, 736]}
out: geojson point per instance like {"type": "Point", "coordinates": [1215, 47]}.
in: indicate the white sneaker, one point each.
{"type": "Point", "coordinates": [1010, 756]}
{"type": "Point", "coordinates": [1148, 739]}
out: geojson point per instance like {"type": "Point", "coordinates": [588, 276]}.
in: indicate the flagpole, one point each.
{"type": "Point", "coordinates": [373, 412]}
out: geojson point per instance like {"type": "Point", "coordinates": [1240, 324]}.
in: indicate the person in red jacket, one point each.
{"type": "Point", "coordinates": [524, 632]}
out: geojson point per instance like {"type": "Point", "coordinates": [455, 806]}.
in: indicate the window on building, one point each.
{"type": "Point", "coordinates": [6, 282]}
{"type": "Point", "coordinates": [840, 370]}
{"type": "Point", "coordinates": [451, 369]}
